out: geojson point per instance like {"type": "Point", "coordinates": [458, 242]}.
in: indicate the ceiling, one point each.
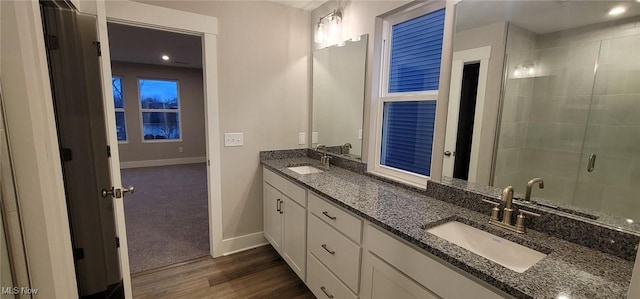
{"type": "Point", "coordinates": [143, 45]}
{"type": "Point", "coordinates": [308, 5]}
{"type": "Point", "coordinates": [540, 16]}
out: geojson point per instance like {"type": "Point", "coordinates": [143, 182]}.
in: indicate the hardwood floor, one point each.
{"type": "Point", "coordinates": [256, 273]}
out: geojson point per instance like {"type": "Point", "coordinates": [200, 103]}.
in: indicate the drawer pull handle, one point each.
{"type": "Point", "coordinates": [329, 216]}
{"type": "Point", "coordinates": [324, 290]}
{"type": "Point", "coordinates": [278, 205]}
{"type": "Point", "coordinates": [328, 250]}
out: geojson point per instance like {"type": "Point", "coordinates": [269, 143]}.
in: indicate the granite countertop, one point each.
{"type": "Point", "coordinates": [568, 270]}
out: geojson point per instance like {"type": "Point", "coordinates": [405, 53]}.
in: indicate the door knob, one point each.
{"type": "Point", "coordinates": [129, 190]}
{"type": "Point", "coordinates": [108, 192]}
{"type": "Point", "coordinates": [447, 153]}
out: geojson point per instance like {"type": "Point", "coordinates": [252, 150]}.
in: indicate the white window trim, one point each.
{"type": "Point", "coordinates": [124, 105]}
{"type": "Point", "coordinates": [382, 96]}
{"type": "Point", "coordinates": [143, 110]}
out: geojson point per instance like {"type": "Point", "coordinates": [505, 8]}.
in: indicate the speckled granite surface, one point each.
{"type": "Point", "coordinates": [569, 269]}
{"type": "Point", "coordinates": [606, 233]}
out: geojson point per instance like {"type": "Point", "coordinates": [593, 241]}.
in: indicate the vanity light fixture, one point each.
{"type": "Point", "coordinates": [617, 10]}
{"type": "Point", "coordinates": [629, 221]}
{"type": "Point", "coordinates": [329, 28]}
{"type": "Point", "coordinates": [165, 57]}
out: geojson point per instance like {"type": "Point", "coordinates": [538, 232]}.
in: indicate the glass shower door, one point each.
{"type": "Point", "coordinates": [609, 173]}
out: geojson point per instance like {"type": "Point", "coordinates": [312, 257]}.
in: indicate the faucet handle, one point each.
{"type": "Point", "coordinates": [520, 227]}
{"type": "Point", "coordinates": [495, 211]}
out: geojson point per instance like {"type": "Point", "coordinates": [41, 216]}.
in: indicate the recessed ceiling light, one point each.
{"type": "Point", "coordinates": [165, 57]}
{"type": "Point", "coordinates": [617, 10]}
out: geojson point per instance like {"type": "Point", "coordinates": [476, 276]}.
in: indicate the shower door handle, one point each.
{"type": "Point", "coordinates": [592, 163]}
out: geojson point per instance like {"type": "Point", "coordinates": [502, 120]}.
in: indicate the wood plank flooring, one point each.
{"type": "Point", "coordinates": [256, 273]}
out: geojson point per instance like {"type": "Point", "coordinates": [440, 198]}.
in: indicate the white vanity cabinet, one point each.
{"type": "Point", "coordinates": [340, 255]}
{"type": "Point", "coordinates": [285, 220]}
{"type": "Point", "coordinates": [393, 269]}
{"type": "Point", "coordinates": [334, 250]}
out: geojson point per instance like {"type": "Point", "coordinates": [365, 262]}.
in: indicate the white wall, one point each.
{"type": "Point", "coordinates": [264, 79]}
{"type": "Point", "coordinates": [191, 112]}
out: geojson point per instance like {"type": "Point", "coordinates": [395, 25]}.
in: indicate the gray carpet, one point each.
{"type": "Point", "coordinates": [167, 219]}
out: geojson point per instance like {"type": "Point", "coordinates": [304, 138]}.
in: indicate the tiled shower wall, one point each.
{"type": "Point", "coordinates": [567, 105]}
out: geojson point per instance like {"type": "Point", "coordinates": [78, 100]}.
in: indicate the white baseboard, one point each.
{"type": "Point", "coordinates": [163, 162]}
{"type": "Point", "coordinates": [242, 243]}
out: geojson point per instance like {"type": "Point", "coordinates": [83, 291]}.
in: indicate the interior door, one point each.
{"type": "Point", "coordinates": [118, 192]}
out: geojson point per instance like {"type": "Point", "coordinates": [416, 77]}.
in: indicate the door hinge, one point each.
{"type": "Point", "coordinates": [117, 242]}
{"type": "Point", "coordinates": [51, 42]}
{"type": "Point", "coordinates": [108, 151]}
{"type": "Point", "coordinates": [65, 154]}
{"type": "Point", "coordinates": [78, 253]}
{"type": "Point", "coordinates": [98, 50]}
{"type": "Point", "coordinates": [208, 162]}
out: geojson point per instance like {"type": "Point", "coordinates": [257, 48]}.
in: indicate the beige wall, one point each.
{"type": "Point", "coordinates": [358, 17]}
{"type": "Point", "coordinates": [191, 112]}
{"type": "Point", "coordinates": [263, 69]}
{"type": "Point", "coordinates": [493, 35]}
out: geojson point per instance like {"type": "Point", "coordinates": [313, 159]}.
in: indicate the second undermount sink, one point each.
{"type": "Point", "coordinates": [502, 251]}
{"type": "Point", "coordinates": [304, 169]}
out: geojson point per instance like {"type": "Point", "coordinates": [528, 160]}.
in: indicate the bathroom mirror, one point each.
{"type": "Point", "coordinates": [338, 96]}
{"type": "Point", "coordinates": [549, 89]}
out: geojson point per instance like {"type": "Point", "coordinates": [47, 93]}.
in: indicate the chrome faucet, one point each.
{"type": "Point", "coordinates": [344, 149]}
{"type": "Point", "coordinates": [507, 197]}
{"type": "Point", "coordinates": [527, 196]}
{"type": "Point", "coordinates": [324, 160]}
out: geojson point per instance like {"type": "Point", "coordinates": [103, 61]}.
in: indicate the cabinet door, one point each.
{"type": "Point", "coordinates": [294, 249]}
{"type": "Point", "coordinates": [272, 199]}
{"type": "Point", "coordinates": [382, 281]}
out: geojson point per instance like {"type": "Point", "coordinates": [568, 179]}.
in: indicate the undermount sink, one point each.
{"type": "Point", "coordinates": [304, 169]}
{"type": "Point", "coordinates": [502, 251]}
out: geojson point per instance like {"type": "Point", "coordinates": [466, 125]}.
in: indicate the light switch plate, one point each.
{"type": "Point", "coordinates": [360, 134]}
{"type": "Point", "coordinates": [301, 138]}
{"type": "Point", "coordinates": [233, 139]}
{"type": "Point", "coordinates": [314, 137]}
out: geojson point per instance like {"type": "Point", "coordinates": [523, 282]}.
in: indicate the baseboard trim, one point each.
{"type": "Point", "coordinates": [242, 243]}
{"type": "Point", "coordinates": [162, 162]}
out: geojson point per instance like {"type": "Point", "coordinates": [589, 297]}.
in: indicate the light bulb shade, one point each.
{"type": "Point", "coordinates": [335, 29]}
{"type": "Point", "coordinates": [319, 35]}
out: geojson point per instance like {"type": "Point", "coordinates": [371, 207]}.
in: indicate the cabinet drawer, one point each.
{"type": "Point", "coordinates": [323, 283]}
{"type": "Point", "coordinates": [344, 222]}
{"type": "Point", "coordinates": [288, 188]}
{"type": "Point", "coordinates": [335, 251]}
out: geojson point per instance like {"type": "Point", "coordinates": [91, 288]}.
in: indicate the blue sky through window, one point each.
{"type": "Point", "coordinates": [158, 94]}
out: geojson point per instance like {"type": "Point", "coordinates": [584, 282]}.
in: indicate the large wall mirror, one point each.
{"type": "Point", "coordinates": [338, 96]}
{"type": "Point", "coordinates": [549, 89]}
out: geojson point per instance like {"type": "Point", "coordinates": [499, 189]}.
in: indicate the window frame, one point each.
{"type": "Point", "coordinates": [382, 95]}
{"type": "Point", "coordinates": [143, 110]}
{"type": "Point", "coordinates": [123, 109]}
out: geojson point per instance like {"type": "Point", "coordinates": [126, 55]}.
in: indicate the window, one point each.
{"type": "Point", "coordinates": [118, 102]}
{"type": "Point", "coordinates": [409, 76]}
{"type": "Point", "coordinates": [160, 109]}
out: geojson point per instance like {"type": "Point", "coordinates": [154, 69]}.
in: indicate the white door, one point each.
{"type": "Point", "coordinates": [272, 209]}
{"type": "Point", "coordinates": [117, 190]}
{"type": "Point", "coordinates": [294, 236]}
{"type": "Point", "coordinates": [460, 58]}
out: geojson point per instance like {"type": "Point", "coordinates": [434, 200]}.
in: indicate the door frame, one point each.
{"type": "Point", "coordinates": [460, 58]}
{"type": "Point", "coordinates": [155, 17]}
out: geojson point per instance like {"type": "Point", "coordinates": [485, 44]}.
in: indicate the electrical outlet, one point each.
{"type": "Point", "coordinates": [314, 137]}
{"type": "Point", "coordinates": [301, 138]}
{"type": "Point", "coordinates": [180, 149]}
{"type": "Point", "coordinates": [233, 139]}
{"type": "Point", "coordinates": [360, 134]}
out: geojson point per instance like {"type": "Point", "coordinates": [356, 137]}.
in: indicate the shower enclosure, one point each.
{"type": "Point", "coordinates": [571, 115]}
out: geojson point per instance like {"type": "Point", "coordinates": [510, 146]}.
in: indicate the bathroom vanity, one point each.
{"type": "Point", "coordinates": [351, 235]}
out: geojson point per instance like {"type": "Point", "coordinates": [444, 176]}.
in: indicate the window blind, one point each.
{"type": "Point", "coordinates": [416, 50]}
{"type": "Point", "coordinates": [407, 135]}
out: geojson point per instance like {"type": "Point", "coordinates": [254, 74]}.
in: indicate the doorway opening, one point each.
{"type": "Point", "coordinates": [160, 122]}
{"type": "Point", "coordinates": [466, 117]}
